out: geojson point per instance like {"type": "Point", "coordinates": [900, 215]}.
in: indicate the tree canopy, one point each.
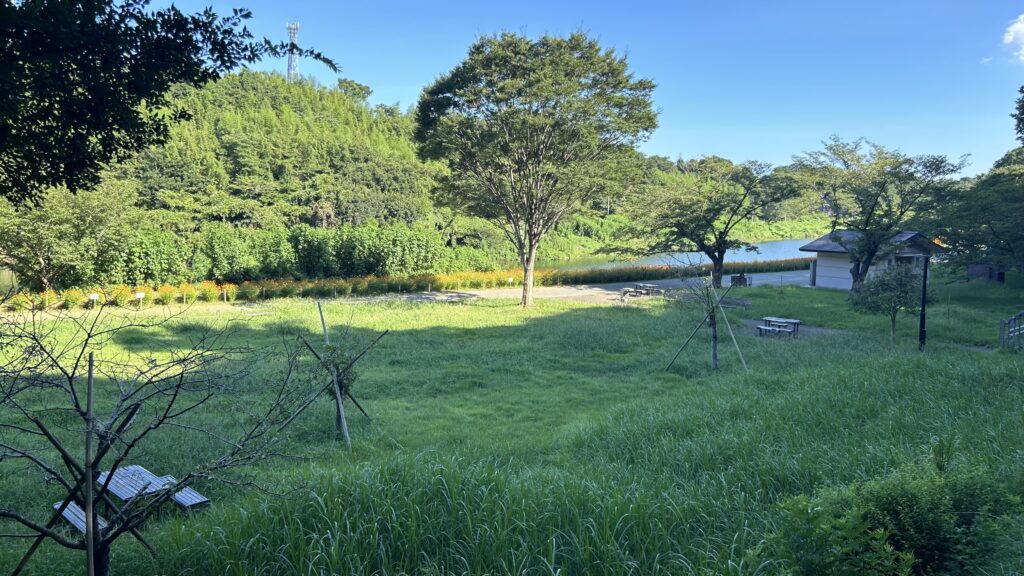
{"type": "Point", "coordinates": [86, 83]}
{"type": "Point", "coordinates": [980, 219]}
{"type": "Point", "coordinates": [872, 190]}
{"type": "Point", "coordinates": [527, 127]}
{"type": "Point", "coordinates": [698, 204]}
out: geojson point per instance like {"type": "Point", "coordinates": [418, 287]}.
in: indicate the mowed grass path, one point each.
{"type": "Point", "coordinates": [553, 440]}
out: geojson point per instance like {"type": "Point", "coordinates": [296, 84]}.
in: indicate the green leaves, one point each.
{"type": "Point", "coordinates": [526, 125]}
{"type": "Point", "coordinates": [86, 83]}
{"type": "Point", "coordinates": [698, 204]}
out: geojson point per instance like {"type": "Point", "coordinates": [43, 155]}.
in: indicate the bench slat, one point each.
{"type": "Point", "coordinates": [186, 497]}
{"type": "Point", "coordinates": [131, 481]}
{"type": "Point", "coordinates": [75, 516]}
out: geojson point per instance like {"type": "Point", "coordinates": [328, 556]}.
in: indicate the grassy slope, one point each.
{"type": "Point", "coordinates": [510, 440]}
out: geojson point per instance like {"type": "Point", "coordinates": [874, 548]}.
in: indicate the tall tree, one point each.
{"type": "Point", "coordinates": [699, 203]}
{"type": "Point", "coordinates": [873, 191]}
{"type": "Point", "coordinates": [84, 82]}
{"type": "Point", "coordinates": [1018, 115]}
{"type": "Point", "coordinates": [980, 220]}
{"type": "Point", "coordinates": [529, 128]}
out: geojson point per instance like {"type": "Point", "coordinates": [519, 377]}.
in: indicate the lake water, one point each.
{"type": "Point", "coordinates": [773, 250]}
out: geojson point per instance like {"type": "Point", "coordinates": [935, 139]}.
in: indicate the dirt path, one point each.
{"type": "Point", "coordinates": [590, 293]}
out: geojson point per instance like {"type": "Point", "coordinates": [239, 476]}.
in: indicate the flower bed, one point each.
{"type": "Point", "coordinates": [188, 293]}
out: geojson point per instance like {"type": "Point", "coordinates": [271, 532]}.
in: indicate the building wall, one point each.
{"type": "Point", "coordinates": [834, 271]}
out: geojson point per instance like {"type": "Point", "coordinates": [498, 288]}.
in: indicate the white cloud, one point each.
{"type": "Point", "coordinates": [986, 60]}
{"type": "Point", "coordinates": [1014, 36]}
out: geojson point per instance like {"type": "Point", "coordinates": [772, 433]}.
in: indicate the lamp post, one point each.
{"type": "Point", "coordinates": [922, 332]}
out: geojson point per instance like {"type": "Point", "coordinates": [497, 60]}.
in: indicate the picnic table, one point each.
{"type": "Point", "coordinates": [776, 325]}
{"type": "Point", "coordinates": [646, 289]}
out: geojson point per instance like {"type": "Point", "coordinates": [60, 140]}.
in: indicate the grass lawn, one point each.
{"type": "Point", "coordinates": [553, 440]}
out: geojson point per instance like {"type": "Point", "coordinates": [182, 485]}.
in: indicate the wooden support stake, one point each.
{"type": "Point", "coordinates": [731, 335]}
{"type": "Point", "coordinates": [339, 399]}
{"type": "Point", "coordinates": [708, 315]}
{"type": "Point", "coordinates": [90, 509]}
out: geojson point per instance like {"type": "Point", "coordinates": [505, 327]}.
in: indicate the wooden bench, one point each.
{"type": "Point", "coordinates": [75, 516]}
{"type": "Point", "coordinates": [739, 280]}
{"type": "Point", "coordinates": [762, 330]}
{"type": "Point", "coordinates": [133, 481]}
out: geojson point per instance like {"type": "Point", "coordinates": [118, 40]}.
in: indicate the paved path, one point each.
{"type": "Point", "coordinates": [598, 293]}
{"type": "Point", "coordinates": [593, 292]}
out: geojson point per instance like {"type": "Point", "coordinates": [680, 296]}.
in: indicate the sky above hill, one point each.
{"type": "Point", "coordinates": [747, 80]}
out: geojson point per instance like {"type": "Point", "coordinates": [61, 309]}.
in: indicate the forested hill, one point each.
{"type": "Point", "coordinates": [268, 178]}
{"type": "Point", "coordinates": [260, 150]}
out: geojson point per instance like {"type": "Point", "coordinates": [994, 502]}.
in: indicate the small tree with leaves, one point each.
{"type": "Point", "coordinates": [897, 288]}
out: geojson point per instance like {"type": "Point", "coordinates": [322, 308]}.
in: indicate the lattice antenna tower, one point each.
{"type": "Point", "coordinates": [293, 53]}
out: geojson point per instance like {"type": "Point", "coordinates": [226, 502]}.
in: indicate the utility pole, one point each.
{"type": "Point", "coordinates": [922, 332]}
{"type": "Point", "coordinates": [293, 53]}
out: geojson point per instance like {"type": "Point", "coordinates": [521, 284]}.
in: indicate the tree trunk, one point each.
{"type": "Point", "coordinates": [717, 268]}
{"type": "Point", "coordinates": [713, 325]}
{"type": "Point", "coordinates": [340, 423]}
{"type": "Point", "coordinates": [103, 559]}
{"type": "Point", "coordinates": [529, 260]}
{"type": "Point", "coordinates": [859, 269]}
{"type": "Point", "coordinates": [892, 327]}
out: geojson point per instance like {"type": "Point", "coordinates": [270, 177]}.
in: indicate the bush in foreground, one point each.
{"type": "Point", "coordinates": [915, 521]}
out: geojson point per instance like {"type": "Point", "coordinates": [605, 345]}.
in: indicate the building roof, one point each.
{"type": "Point", "coordinates": [839, 241]}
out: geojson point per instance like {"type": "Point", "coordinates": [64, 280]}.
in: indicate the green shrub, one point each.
{"type": "Point", "coordinates": [147, 292]}
{"type": "Point", "coordinates": [285, 288]}
{"type": "Point", "coordinates": [208, 291]}
{"type": "Point", "coordinates": [100, 294]}
{"type": "Point", "coordinates": [229, 251]}
{"type": "Point", "coordinates": [45, 299]}
{"type": "Point", "coordinates": [360, 286]}
{"type": "Point", "coordinates": [249, 291]}
{"type": "Point", "coordinates": [72, 298]}
{"type": "Point", "coordinates": [166, 294]}
{"type": "Point", "coordinates": [121, 295]}
{"type": "Point", "coordinates": [19, 302]}
{"type": "Point", "coordinates": [315, 251]}
{"type": "Point", "coordinates": [815, 540]}
{"type": "Point", "coordinates": [230, 291]}
{"type": "Point", "coordinates": [916, 520]}
{"type": "Point", "coordinates": [188, 292]}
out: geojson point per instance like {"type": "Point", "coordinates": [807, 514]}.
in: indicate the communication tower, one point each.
{"type": "Point", "coordinates": [293, 53]}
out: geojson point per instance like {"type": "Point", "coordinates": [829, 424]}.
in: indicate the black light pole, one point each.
{"type": "Point", "coordinates": [922, 332]}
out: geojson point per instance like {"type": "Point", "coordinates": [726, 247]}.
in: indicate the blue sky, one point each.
{"type": "Point", "coordinates": [747, 80]}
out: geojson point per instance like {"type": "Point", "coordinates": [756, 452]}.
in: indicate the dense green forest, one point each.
{"type": "Point", "coordinates": [275, 179]}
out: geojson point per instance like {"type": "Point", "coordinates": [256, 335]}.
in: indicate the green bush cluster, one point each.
{"type": "Point", "coordinates": [916, 521]}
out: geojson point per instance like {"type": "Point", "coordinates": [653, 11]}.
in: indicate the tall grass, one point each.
{"type": "Point", "coordinates": [552, 440]}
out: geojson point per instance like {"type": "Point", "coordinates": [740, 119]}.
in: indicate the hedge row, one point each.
{"type": "Point", "coordinates": [208, 291]}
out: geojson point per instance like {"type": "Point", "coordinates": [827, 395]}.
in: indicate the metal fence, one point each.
{"type": "Point", "coordinates": [1011, 332]}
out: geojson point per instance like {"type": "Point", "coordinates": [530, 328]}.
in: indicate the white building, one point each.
{"type": "Point", "coordinates": [831, 267]}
